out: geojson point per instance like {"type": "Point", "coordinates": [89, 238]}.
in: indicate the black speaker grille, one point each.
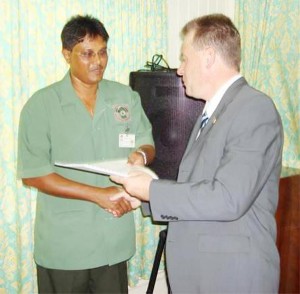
{"type": "Point", "coordinates": [172, 115]}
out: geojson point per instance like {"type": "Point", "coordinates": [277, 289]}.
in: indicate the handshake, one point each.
{"type": "Point", "coordinates": [135, 189]}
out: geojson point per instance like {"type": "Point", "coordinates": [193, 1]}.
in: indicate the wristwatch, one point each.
{"type": "Point", "coordinates": [143, 154]}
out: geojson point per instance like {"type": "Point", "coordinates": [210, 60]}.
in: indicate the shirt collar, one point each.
{"type": "Point", "coordinates": [68, 94]}
{"type": "Point", "coordinates": [212, 104]}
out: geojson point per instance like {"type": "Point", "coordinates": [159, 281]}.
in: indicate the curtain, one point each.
{"type": "Point", "coordinates": [271, 61]}
{"type": "Point", "coordinates": [31, 58]}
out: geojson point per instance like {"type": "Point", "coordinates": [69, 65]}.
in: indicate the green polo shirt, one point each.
{"type": "Point", "coordinates": [55, 126]}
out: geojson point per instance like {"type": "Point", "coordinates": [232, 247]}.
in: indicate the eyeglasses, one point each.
{"type": "Point", "coordinates": [90, 55]}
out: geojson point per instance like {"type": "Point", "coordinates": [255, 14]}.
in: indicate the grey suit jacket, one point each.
{"type": "Point", "coordinates": [222, 230]}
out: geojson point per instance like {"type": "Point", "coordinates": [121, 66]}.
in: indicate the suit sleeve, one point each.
{"type": "Point", "coordinates": [245, 170]}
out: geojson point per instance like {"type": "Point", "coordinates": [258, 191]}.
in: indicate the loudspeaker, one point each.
{"type": "Point", "coordinates": [172, 115]}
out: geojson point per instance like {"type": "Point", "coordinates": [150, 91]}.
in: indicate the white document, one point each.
{"type": "Point", "coordinates": [118, 167]}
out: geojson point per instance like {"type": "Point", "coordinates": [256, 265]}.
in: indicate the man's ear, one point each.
{"type": "Point", "coordinates": [210, 56]}
{"type": "Point", "coordinates": [67, 54]}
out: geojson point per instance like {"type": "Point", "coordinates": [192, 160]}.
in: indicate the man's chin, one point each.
{"type": "Point", "coordinates": [96, 78]}
{"type": "Point", "coordinates": [188, 92]}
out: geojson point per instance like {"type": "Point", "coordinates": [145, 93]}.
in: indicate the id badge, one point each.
{"type": "Point", "coordinates": [126, 140]}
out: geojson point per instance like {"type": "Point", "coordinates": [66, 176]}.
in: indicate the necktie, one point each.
{"type": "Point", "coordinates": [204, 120]}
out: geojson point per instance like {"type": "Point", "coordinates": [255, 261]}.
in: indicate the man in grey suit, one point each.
{"type": "Point", "coordinates": [222, 229]}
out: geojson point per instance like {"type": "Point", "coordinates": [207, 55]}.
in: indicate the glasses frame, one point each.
{"type": "Point", "coordinates": [90, 55]}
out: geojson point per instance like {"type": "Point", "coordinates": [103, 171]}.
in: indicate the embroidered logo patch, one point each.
{"type": "Point", "coordinates": [121, 113]}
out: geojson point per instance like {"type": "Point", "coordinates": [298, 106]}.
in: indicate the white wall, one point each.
{"type": "Point", "coordinates": [180, 12]}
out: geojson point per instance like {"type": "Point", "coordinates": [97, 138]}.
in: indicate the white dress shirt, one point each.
{"type": "Point", "coordinates": [212, 104]}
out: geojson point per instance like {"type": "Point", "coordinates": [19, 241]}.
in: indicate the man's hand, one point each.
{"type": "Point", "coordinates": [136, 158]}
{"type": "Point", "coordinates": [137, 184]}
{"type": "Point", "coordinates": [56, 185]}
{"type": "Point", "coordinates": [117, 207]}
{"type": "Point", "coordinates": [134, 202]}
{"type": "Point", "coordinates": [144, 155]}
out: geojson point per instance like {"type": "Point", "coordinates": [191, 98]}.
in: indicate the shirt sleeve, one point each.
{"type": "Point", "coordinates": [144, 128]}
{"type": "Point", "coordinates": [34, 146]}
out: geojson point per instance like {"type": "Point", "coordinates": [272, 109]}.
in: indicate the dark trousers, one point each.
{"type": "Point", "coordinates": [104, 279]}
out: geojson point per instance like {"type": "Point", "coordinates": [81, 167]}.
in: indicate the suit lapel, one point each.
{"type": "Point", "coordinates": [228, 97]}
{"type": "Point", "coordinates": [194, 133]}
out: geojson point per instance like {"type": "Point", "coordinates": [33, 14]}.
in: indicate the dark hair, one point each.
{"type": "Point", "coordinates": [78, 27]}
{"type": "Point", "coordinates": [216, 30]}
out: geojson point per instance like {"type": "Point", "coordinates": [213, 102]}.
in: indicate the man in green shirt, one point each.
{"type": "Point", "coordinates": [82, 237]}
